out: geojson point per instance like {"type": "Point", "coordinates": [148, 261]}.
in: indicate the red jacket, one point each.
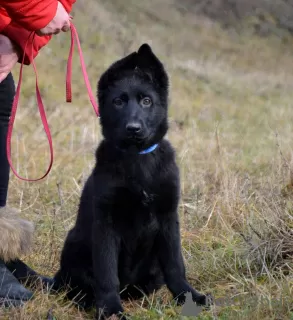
{"type": "Point", "coordinates": [19, 17]}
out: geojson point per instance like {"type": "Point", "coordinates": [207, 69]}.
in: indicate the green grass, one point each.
{"type": "Point", "coordinates": [231, 124]}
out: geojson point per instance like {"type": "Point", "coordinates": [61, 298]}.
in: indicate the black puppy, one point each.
{"type": "Point", "coordinates": [126, 241]}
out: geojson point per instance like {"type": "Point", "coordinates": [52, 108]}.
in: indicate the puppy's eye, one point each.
{"type": "Point", "coordinates": [118, 102]}
{"type": "Point", "coordinates": [146, 102]}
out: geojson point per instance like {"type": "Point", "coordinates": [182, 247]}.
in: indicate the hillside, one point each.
{"type": "Point", "coordinates": [230, 123]}
{"type": "Point", "coordinates": [263, 17]}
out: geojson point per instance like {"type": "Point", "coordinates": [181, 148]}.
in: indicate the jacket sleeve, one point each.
{"type": "Point", "coordinates": [19, 36]}
{"type": "Point", "coordinates": [12, 26]}
{"type": "Point", "coordinates": [33, 14]}
{"type": "Point", "coordinates": [4, 19]}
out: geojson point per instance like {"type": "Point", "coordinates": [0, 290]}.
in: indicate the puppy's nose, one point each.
{"type": "Point", "coordinates": [133, 127]}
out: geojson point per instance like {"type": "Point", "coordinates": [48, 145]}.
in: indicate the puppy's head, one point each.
{"type": "Point", "coordinates": [133, 100]}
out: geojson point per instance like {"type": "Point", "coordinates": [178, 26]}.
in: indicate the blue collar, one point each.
{"type": "Point", "coordinates": [150, 149]}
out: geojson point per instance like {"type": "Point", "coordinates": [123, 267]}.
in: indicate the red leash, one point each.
{"type": "Point", "coordinates": [74, 36]}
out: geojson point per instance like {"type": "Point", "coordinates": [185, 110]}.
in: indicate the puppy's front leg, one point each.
{"type": "Point", "coordinates": [172, 263]}
{"type": "Point", "coordinates": [105, 265]}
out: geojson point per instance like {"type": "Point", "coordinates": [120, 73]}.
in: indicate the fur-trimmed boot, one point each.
{"type": "Point", "coordinates": [15, 240]}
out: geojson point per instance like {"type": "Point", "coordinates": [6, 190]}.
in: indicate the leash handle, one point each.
{"type": "Point", "coordinates": [41, 111]}
{"type": "Point", "coordinates": [41, 108]}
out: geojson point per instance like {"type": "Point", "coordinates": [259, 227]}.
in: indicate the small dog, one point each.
{"type": "Point", "coordinates": [126, 240]}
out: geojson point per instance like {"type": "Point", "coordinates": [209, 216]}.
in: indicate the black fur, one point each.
{"type": "Point", "coordinates": [126, 236]}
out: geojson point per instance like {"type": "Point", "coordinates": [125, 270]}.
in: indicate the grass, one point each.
{"type": "Point", "coordinates": [231, 124]}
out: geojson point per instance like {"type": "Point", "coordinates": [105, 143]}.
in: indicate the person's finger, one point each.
{"type": "Point", "coordinates": [41, 33]}
{"type": "Point", "coordinates": [66, 26]}
{"type": "Point", "coordinates": [57, 31]}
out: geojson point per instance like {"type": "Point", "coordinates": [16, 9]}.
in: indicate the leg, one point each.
{"type": "Point", "coordinates": [78, 286]}
{"type": "Point", "coordinates": [15, 233]}
{"type": "Point", "coordinates": [105, 263]}
{"type": "Point", "coordinates": [75, 275]}
{"type": "Point", "coordinates": [7, 91]}
{"type": "Point", "coordinates": [172, 263]}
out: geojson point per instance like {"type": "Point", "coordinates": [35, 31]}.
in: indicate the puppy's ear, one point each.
{"type": "Point", "coordinates": [146, 58]}
{"type": "Point", "coordinates": [147, 61]}
{"type": "Point", "coordinates": [144, 49]}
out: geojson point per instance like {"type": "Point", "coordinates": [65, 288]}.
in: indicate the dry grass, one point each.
{"type": "Point", "coordinates": [231, 124]}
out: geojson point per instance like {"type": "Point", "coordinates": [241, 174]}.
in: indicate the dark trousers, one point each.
{"type": "Point", "coordinates": [7, 91]}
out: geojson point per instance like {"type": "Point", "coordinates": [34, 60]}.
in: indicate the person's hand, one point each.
{"type": "Point", "coordinates": [61, 22]}
{"type": "Point", "coordinates": [8, 56]}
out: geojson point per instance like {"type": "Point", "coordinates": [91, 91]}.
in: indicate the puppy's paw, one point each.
{"type": "Point", "coordinates": [200, 299]}
{"type": "Point", "coordinates": [194, 296]}
{"type": "Point", "coordinates": [113, 312]}
{"type": "Point", "coordinates": [209, 301]}
{"type": "Point", "coordinates": [116, 317]}
{"type": "Point", "coordinates": [180, 299]}
{"type": "Point", "coordinates": [119, 316]}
